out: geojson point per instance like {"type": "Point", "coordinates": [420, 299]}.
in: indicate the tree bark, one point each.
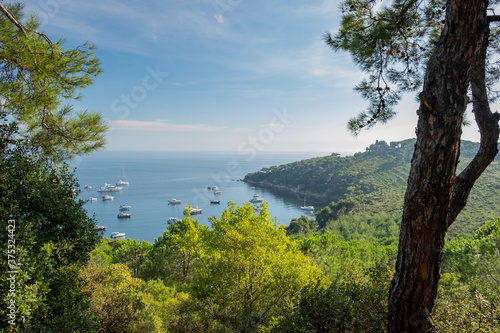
{"type": "Point", "coordinates": [435, 195]}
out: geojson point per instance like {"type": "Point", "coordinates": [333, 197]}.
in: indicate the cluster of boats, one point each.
{"type": "Point", "coordinates": [194, 211]}
{"type": "Point", "coordinates": [255, 199]}
{"type": "Point", "coordinates": [123, 210]}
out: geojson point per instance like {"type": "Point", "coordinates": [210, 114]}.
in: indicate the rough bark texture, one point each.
{"type": "Point", "coordinates": [435, 195]}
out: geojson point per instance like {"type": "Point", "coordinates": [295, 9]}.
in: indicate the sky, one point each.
{"type": "Point", "coordinates": [221, 75]}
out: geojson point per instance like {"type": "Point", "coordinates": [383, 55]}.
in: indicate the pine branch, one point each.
{"type": "Point", "coordinates": [20, 26]}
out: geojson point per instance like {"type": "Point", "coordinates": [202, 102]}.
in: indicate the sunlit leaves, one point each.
{"type": "Point", "coordinates": [247, 266]}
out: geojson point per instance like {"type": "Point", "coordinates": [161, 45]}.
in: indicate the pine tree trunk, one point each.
{"type": "Point", "coordinates": [435, 194]}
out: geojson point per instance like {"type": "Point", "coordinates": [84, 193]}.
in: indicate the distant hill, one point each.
{"type": "Point", "coordinates": [374, 181]}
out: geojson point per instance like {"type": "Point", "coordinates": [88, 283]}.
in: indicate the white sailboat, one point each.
{"type": "Point", "coordinates": [307, 208]}
{"type": "Point", "coordinates": [124, 180]}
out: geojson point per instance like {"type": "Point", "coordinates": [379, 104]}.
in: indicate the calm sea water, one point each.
{"type": "Point", "coordinates": [156, 177]}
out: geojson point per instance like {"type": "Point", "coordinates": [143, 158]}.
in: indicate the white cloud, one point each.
{"type": "Point", "coordinates": [160, 125]}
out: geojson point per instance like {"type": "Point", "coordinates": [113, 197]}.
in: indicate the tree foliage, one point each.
{"type": "Point", "coordinates": [350, 305]}
{"type": "Point", "coordinates": [52, 239]}
{"type": "Point", "coordinates": [247, 268]}
{"type": "Point", "coordinates": [348, 191]}
{"type": "Point", "coordinates": [476, 259]}
{"type": "Point", "coordinates": [38, 80]}
{"type": "Point", "coordinates": [450, 40]}
{"type": "Point", "coordinates": [393, 44]}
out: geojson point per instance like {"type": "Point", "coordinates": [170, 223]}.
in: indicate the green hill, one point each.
{"type": "Point", "coordinates": [374, 182]}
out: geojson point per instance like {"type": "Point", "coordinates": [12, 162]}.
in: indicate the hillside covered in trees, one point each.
{"type": "Point", "coordinates": [373, 182]}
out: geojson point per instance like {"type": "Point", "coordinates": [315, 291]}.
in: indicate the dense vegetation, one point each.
{"type": "Point", "coordinates": [46, 239]}
{"type": "Point", "coordinates": [244, 275]}
{"type": "Point", "coordinates": [374, 182]}
{"type": "Point", "coordinates": [241, 274]}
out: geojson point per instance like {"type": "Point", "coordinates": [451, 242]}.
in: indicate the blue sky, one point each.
{"type": "Point", "coordinates": [234, 75]}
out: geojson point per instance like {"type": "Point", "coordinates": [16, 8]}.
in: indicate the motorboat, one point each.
{"type": "Point", "coordinates": [123, 215]}
{"type": "Point", "coordinates": [107, 197]}
{"type": "Point", "coordinates": [257, 207]}
{"type": "Point", "coordinates": [172, 220]}
{"type": "Point", "coordinates": [196, 211]}
{"type": "Point", "coordinates": [109, 188]}
{"type": "Point", "coordinates": [88, 187]}
{"type": "Point", "coordinates": [117, 234]}
{"type": "Point", "coordinates": [124, 180]}
{"type": "Point", "coordinates": [100, 227]}
{"type": "Point", "coordinates": [124, 208]}
{"type": "Point", "coordinates": [174, 201]}
{"type": "Point", "coordinates": [215, 202]}
{"type": "Point", "coordinates": [215, 188]}
{"type": "Point", "coordinates": [92, 199]}
{"type": "Point", "coordinates": [218, 192]}
{"type": "Point", "coordinates": [256, 198]}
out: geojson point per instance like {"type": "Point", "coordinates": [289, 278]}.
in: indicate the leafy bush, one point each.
{"type": "Point", "coordinates": [352, 305]}
{"type": "Point", "coordinates": [460, 308]}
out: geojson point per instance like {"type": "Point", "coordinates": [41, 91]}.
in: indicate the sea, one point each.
{"type": "Point", "coordinates": [156, 177]}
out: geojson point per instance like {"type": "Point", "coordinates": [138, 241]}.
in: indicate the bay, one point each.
{"type": "Point", "coordinates": [157, 177]}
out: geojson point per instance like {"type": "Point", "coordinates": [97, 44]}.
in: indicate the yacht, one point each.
{"type": "Point", "coordinates": [174, 201]}
{"type": "Point", "coordinates": [109, 188]}
{"type": "Point", "coordinates": [196, 211]}
{"type": "Point", "coordinates": [256, 198]}
{"type": "Point", "coordinates": [172, 220]}
{"type": "Point", "coordinates": [117, 234]}
{"type": "Point", "coordinates": [123, 215]}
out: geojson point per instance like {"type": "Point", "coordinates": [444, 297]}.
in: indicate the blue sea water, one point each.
{"type": "Point", "coordinates": [157, 177]}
